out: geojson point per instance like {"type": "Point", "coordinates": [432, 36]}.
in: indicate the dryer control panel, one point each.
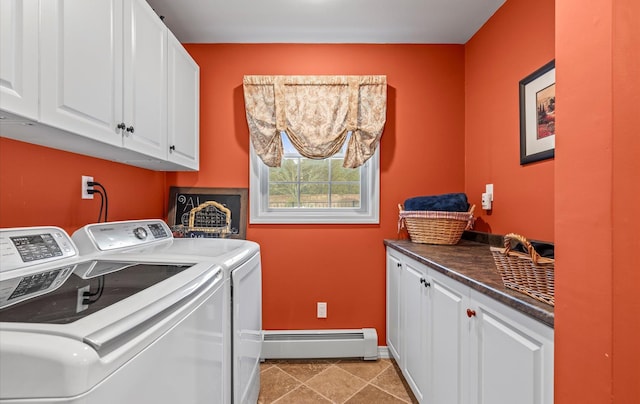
{"type": "Point", "coordinates": [116, 235]}
{"type": "Point", "coordinates": [24, 247]}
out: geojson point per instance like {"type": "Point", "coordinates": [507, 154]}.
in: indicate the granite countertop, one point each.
{"type": "Point", "coordinates": [471, 263]}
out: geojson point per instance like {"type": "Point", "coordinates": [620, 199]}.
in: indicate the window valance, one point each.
{"type": "Point", "coordinates": [316, 113]}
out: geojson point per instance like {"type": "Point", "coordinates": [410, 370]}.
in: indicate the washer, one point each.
{"type": "Point", "coordinates": [152, 241]}
{"type": "Point", "coordinates": [80, 330]}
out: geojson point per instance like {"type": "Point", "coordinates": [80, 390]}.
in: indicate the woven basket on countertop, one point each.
{"type": "Point", "coordinates": [435, 227]}
{"type": "Point", "coordinates": [527, 273]}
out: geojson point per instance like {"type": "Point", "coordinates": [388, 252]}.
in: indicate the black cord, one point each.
{"type": "Point", "coordinates": [106, 199]}
{"type": "Point", "coordinates": [96, 191]}
{"type": "Point", "coordinates": [87, 296]}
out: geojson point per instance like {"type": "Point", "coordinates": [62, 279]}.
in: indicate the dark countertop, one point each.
{"type": "Point", "coordinates": [471, 263]}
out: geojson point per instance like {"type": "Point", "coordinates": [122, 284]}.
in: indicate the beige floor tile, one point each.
{"type": "Point", "coordinates": [275, 383]}
{"type": "Point", "coordinates": [304, 371]}
{"type": "Point", "coordinates": [391, 381]}
{"type": "Point", "coordinates": [371, 394]}
{"type": "Point", "coordinates": [335, 381]}
{"type": "Point", "coordinates": [336, 384]}
{"type": "Point", "coordinates": [303, 395]}
{"type": "Point", "coordinates": [366, 370]}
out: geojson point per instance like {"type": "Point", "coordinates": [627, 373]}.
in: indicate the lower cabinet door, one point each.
{"type": "Point", "coordinates": [512, 357]}
{"type": "Point", "coordinates": [394, 272]}
{"type": "Point", "coordinates": [414, 322]}
{"type": "Point", "coordinates": [448, 340]}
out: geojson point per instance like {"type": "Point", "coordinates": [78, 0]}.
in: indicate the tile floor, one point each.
{"type": "Point", "coordinates": [332, 381]}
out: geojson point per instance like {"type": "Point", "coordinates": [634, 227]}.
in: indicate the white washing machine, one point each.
{"type": "Point", "coordinates": [85, 331]}
{"type": "Point", "coordinates": [152, 241]}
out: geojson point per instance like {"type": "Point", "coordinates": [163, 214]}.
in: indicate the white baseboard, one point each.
{"type": "Point", "coordinates": [383, 352]}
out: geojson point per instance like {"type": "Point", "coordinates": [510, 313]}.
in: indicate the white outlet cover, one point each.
{"type": "Point", "coordinates": [489, 190]}
{"type": "Point", "coordinates": [322, 310]}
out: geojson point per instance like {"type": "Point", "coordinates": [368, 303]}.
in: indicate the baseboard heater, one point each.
{"type": "Point", "coordinates": [313, 344]}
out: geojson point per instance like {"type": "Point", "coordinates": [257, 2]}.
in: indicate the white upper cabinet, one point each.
{"type": "Point", "coordinates": [145, 80]}
{"type": "Point", "coordinates": [19, 58]}
{"type": "Point", "coordinates": [107, 82]}
{"type": "Point", "coordinates": [184, 110]}
{"type": "Point", "coordinates": [81, 67]}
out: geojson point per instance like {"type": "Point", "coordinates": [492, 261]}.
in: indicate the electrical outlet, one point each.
{"type": "Point", "coordinates": [489, 190]}
{"type": "Point", "coordinates": [80, 306]}
{"type": "Point", "coordinates": [86, 187]}
{"type": "Point", "coordinates": [322, 309]}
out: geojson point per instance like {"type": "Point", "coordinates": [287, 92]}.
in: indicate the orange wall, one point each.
{"type": "Point", "coordinates": [515, 42]}
{"type": "Point", "coordinates": [626, 193]}
{"type": "Point", "coordinates": [40, 186]}
{"type": "Point", "coordinates": [597, 190]}
{"type": "Point", "coordinates": [422, 152]}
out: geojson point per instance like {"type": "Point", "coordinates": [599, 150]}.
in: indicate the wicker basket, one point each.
{"type": "Point", "coordinates": [528, 273]}
{"type": "Point", "coordinates": [433, 227]}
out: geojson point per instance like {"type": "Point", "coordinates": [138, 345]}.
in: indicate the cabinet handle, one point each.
{"type": "Point", "coordinates": [471, 313]}
{"type": "Point", "coordinates": [130, 129]}
{"type": "Point", "coordinates": [425, 283]}
{"type": "Point", "coordinates": [399, 265]}
{"type": "Point", "coordinates": [173, 148]}
{"type": "Point", "coordinates": [121, 125]}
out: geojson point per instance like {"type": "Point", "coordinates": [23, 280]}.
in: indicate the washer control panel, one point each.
{"type": "Point", "coordinates": [23, 247]}
{"type": "Point", "coordinates": [115, 235]}
{"type": "Point", "coordinates": [15, 290]}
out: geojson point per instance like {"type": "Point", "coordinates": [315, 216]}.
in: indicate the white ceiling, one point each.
{"type": "Point", "coordinates": [325, 21]}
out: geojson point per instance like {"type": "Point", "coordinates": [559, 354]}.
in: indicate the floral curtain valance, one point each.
{"type": "Point", "coordinates": [316, 113]}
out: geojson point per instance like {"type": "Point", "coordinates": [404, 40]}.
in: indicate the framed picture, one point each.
{"type": "Point", "coordinates": [208, 212]}
{"type": "Point", "coordinates": [538, 114]}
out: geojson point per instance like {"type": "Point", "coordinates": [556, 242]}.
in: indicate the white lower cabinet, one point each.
{"type": "Point", "coordinates": [394, 270]}
{"type": "Point", "coordinates": [414, 325]}
{"type": "Point", "coordinates": [456, 345]}
{"type": "Point", "coordinates": [448, 336]}
{"type": "Point", "coordinates": [511, 355]}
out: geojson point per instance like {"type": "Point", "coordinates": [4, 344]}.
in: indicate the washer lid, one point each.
{"type": "Point", "coordinates": [62, 296]}
{"type": "Point", "coordinates": [47, 360]}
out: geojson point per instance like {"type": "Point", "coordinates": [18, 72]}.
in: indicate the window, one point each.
{"type": "Point", "coordinates": [303, 190]}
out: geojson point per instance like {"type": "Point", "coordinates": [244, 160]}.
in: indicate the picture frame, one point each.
{"type": "Point", "coordinates": [182, 200]}
{"type": "Point", "coordinates": [537, 115]}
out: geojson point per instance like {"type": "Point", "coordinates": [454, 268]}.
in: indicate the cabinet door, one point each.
{"type": "Point", "coordinates": [184, 106]}
{"type": "Point", "coordinates": [511, 355]}
{"type": "Point", "coordinates": [145, 80]}
{"type": "Point", "coordinates": [19, 57]}
{"type": "Point", "coordinates": [448, 337]}
{"type": "Point", "coordinates": [81, 67]}
{"type": "Point", "coordinates": [394, 272]}
{"type": "Point", "coordinates": [414, 346]}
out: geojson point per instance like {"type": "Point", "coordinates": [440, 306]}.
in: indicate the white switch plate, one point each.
{"type": "Point", "coordinates": [489, 190]}
{"type": "Point", "coordinates": [322, 309]}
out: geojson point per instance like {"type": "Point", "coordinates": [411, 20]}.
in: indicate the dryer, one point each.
{"type": "Point", "coordinates": [81, 330]}
{"type": "Point", "coordinates": [152, 241]}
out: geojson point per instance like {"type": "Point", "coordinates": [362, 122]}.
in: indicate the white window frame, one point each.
{"type": "Point", "coordinates": [367, 213]}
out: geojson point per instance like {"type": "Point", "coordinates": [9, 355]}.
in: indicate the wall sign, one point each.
{"type": "Point", "coordinates": [209, 218]}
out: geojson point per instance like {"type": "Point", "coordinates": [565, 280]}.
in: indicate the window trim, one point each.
{"type": "Point", "coordinates": [260, 213]}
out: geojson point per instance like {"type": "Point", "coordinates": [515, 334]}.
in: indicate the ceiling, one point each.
{"type": "Point", "coordinates": [325, 21]}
